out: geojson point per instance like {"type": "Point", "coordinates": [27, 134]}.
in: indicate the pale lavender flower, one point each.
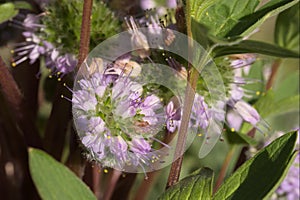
{"type": "Point", "coordinates": [200, 115]}
{"type": "Point", "coordinates": [140, 146]}
{"type": "Point", "coordinates": [234, 120]}
{"type": "Point", "coordinates": [84, 100]}
{"type": "Point", "coordinates": [115, 120]}
{"type": "Point", "coordinates": [236, 92]}
{"type": "Point", "coordinates": [173, 117]}
{"type": "Point", "coordinates": [147, 4]}
{"type": "Point", "coordinates": [32, 22]}
{"type": "Point", "coordinates": [148, 108]}
{"type": "Point", "coordinates": [247, 112]}
{"type": "Point", "coordinates": [35, 47]}
{"type": "Point", "coordinates": [31, 50]}
{"type": "Point", "coordinates": [66, 63]}
{"type": "Point", "coordinates": [120, 150]}
{"type": "Point", "coordinates": [171, 3]}
{"type": "Point", "coordinates": [51, 58]}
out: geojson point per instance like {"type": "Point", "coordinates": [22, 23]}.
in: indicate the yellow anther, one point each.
{"type": "Point", "coordinates": [105, 171]}
{"type": "Point", "coordinates": [59, 79]}
{"type": "Point", "coordinates": [232, 130]}
{"type": "Point", "coordinates": [12, 51]}
{"type": "Point", "coordinates": [13, 64]}
{"type": "Point", "coordinates": [199, 134]}
{"type": "Point", "coordinates": [257, 93]}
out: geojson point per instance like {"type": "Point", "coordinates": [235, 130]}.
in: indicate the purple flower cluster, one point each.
{"type": "Point", "coordinates": [34, 47]}
{"type": "Point", "coordinates": [116, 121]}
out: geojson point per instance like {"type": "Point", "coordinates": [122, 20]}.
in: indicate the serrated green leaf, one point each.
{"type": "Point", "coordinates": [220, 16]}
{"type": "Point", "coordinates": [55, 181]}
{"type": "Point", "coordinates": [7, 11]}
{"type": "Point", "coordinates": [287, 28]}
{"type": "Point", "coordinates": [23, 5]}
{"type": "Point", "coordinates": [258, 177]}
{"type": "Point", "coordinates": [249, 23]}
{"type": "Point", "coordinates": [200, 33]}
{"type": "Point", "coordinates": [196, 186]}
{"type": "Point", "coordinates": [198, 7]}
{"type": "Point", "coordinates": [251, 46]}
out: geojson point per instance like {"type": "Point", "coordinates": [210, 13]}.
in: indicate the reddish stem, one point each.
{"type": "Point", "coordinates": [224, 169]}
{"type": "Point", "coordinates": [112, 184]}
{"type": "Point", "coordinates": [145, 186]}
{"type": "Point", "coordinates": [85, 31]}
{"type": "Point", "coordinates": [274, 71]}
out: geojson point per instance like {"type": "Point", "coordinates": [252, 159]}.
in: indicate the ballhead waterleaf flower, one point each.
{"type": "Point", "coordinates": [116, 121]}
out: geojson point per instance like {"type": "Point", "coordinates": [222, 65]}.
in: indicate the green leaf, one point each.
{"type": "Point", "coordinates": [200, 33]}
{"type": "Point", "coordinates": [196, 186]}
{"type": "Point", "coordinates": [258, 177]}
{"type": "Point", "coordinates": [23, 5]}
{"type": "Point", "coordinates": [287, 28]}
{"type": "Point", "coordinates": [55, 181]}
{"type": "Point", "coordinates": [220, 16]}
{"type": "Point", "coordinates": [7, 11]}
{"type": "Point", "coordinates": [239, 138]}
{"type": "Point", "coordinates": [286, 105]}
{"type": "Point", "coordinates": [267, 106]}
{"type": "Point", "coordinates": [198, 7]}
{"type": "Point", "coordinates": [250, 22]}
{"type": "Point", "coordinates": [287, 87]}
{"type": "Point", "coordinates": [250, 46]}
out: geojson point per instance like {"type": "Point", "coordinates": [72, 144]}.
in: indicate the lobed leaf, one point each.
{"type": "Point", "coordinates": [221, 16]}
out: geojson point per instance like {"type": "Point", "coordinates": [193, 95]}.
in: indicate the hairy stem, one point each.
{"type": "Point", "coordinates": [187, 108]}
{"type": "Point", "coordinates": [85, 31]}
